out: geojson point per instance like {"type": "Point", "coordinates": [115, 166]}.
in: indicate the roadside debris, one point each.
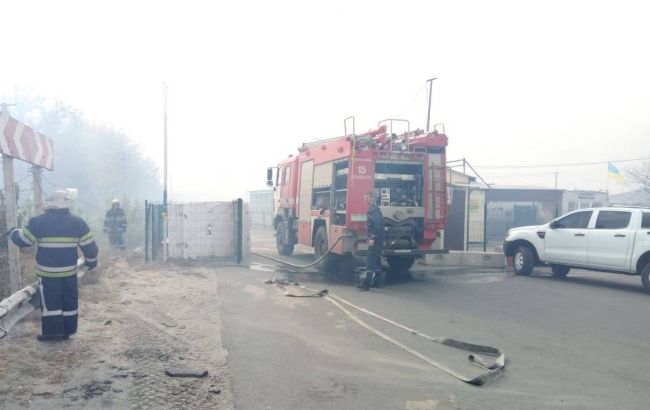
{"type": "Point", "coordinates": [95, 388]}
{"type": "Point", "coordinates": [185, 372]}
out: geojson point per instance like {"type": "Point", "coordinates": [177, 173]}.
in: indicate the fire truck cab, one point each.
{"type": "Point", "coordinates": [320, 195]}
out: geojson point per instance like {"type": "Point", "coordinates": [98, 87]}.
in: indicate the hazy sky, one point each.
{"type": "Point", "coordinates": [518, 82]}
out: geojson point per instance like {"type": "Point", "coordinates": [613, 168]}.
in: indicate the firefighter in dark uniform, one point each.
{"type": "Point", "coordinates": [57, 234]}
{"type": "Point", "coordinates": [115, 225]}
{"type": "Point", "coordinates": [376, 237]}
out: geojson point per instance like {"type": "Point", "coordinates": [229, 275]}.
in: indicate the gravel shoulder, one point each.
{"type": "Point", "coordinates": [136, 322]}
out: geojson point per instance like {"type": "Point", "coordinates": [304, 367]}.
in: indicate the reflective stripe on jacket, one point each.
{"type": "Point", "coordinates": [115, 220]}
{"type": "Point", "coordinates": [57, 234]}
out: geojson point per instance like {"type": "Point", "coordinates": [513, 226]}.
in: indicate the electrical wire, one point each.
{"type": "Point", "coordinates": [414, 98]}
{"type": "Point", "coordinates": [77, 200]}
{"type": "Point", "coordinates": [15, 183]}
{"type": "Point", "coordinates": [521, 175]}
{"type": "Point", "coordinates": [569, 164]}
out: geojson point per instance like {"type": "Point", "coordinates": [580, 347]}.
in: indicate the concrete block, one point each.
{"type": "Point", "coordinates": [460, 258]}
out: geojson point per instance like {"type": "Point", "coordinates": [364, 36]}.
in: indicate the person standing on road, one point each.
{"type": "Point", "coordinates": [57, 234]}
{"type": "Point", "coordinates": [115, 225]}
{"type": "Point", "coordinates": [376, 236]}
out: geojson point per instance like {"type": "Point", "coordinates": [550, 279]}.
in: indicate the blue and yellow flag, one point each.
{"type": "Point", "coordinates": [613, 172]}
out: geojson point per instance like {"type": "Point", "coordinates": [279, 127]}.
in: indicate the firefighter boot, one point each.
{"type": "Point", "coordinates": [57, 338]}
{"type": "Point", "coordinates": [376, 280]}
{"type": "Point", "coordinates": [367, 280]}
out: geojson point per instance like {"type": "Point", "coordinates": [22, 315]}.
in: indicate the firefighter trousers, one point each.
{"type": "Point", "coordinates": [59, 305]}
{"type": "Point", "coordinates": [116, 239]}
{"type": "Point", "coordinates": [373, 262]}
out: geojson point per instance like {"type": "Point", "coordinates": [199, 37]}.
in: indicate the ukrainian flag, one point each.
{"type": "Point", "coordinates": [613, 172]}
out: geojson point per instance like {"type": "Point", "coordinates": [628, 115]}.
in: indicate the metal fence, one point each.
{"type": "Point", "coordinates": [218, 230]}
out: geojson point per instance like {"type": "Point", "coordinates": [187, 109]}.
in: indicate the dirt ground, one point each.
{"type": "Point", "coordinates": [136, 321]}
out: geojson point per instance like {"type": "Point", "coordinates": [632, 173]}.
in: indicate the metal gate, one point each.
{"type": "Point", "coordinates": [217, 230]}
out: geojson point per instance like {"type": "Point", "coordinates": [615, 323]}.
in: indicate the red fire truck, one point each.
{"type": "Point", "coordinates": [320, 194]}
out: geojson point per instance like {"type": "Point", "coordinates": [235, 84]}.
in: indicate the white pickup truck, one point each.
{"type": "Point", "coordinates": [611, 239]}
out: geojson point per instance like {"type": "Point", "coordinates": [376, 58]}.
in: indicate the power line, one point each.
{"type": "Point", "coordinates": [77, 200]}
{"type": "Point", "coordinates": [519, 175]}
{"type": "Point", "coordinates": [16, 183]}
{"type": "Point", "coordinates": [422, 87]}
{"type": "Point", "coordinates": [570, 164]}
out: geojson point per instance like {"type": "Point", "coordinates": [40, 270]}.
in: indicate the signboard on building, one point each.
{"type": "Point", "coordinates": [586, 195]}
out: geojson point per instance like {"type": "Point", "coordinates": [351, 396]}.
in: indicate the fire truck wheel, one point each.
{"type": "Point", "coordinates": [321, 246]}
{"type": "Point", "coordinates": [283, 249]}
{"type": "Point", "coordinates": [400, 264]}
{"type": "Point", "coordinates": [347, 265]}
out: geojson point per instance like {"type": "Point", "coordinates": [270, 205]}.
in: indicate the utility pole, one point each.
{"type": "Point", "coordinates": [12, 283]}
{"type": "Point", "coordinates": [165, 138]}
{"type": "Point", "coordinates": [37, 175]}
{"type": "Point", "coordinates": [165, 215]}
{"type": "Point", "coordinates": [15, 281]}
{"type": "Point", "coordinates": [430, 81]}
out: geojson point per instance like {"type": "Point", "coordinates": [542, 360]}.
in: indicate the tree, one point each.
{"type": "Point", "coordinates": [98, 160]}
{"type": "Point", "coordinates": [640, 176]}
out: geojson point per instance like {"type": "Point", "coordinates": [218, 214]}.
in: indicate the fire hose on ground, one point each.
{"type": "Point", "coordinates": [23, 302]}
{"type": "Point", "coordinates": [492, 370]}
{"type": "Point", "coordinates": [299, 267]}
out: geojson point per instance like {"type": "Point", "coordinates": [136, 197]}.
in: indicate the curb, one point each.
{"type": "Point", "coordinates": [494, 260]}
{"type": "Point", "coordinates": [428, 271]}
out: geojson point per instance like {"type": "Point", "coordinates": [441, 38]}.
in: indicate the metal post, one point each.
{"type": "Point", "coordinates": [164, 221]}
{"type": "Point", "coordinates": [146, 231]}
{"type": "Point", "coordinates": [15, 281]}
{"type": "Point", "coordinates": [468, 192]}
{"type": "Point", "coordinates": [37, 174]}
{"type": "Point", "coordinates": [165, 144]}
{"type": "Point", "coordinates": [485, 224]}
{"type": "Point", "coordinates": [430, 81]}
{"type": "Point", "coordinates": [155, 231]}
{"type": "Point", "coordinates": [240, 231]}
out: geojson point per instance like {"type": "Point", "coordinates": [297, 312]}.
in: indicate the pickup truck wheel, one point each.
{"type": "Point", "coordinates": [524, 260]}
{"type": "Point", "coordinates": [645, 277]}
{"type": "Point", "coordinates": [560, 271]}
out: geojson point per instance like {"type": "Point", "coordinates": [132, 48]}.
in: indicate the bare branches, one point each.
{"type": "Point", "coordinates": [640, 176]}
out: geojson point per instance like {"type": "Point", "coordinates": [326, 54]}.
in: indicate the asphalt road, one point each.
{"type": "Point", "coordinates": [578, 343]}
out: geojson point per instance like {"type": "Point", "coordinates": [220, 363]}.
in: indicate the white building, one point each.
{"type": "Point", "coordinates": [572, 200]}
{"type": "Point", "coordinates": [261, 207]}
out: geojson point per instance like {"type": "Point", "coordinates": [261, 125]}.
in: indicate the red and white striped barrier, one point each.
{"type": "Point", "coordinates": [19, 141]}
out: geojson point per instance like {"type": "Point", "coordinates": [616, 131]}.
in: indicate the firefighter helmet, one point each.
{"type": "Point", "coordinates": [61, 199]}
